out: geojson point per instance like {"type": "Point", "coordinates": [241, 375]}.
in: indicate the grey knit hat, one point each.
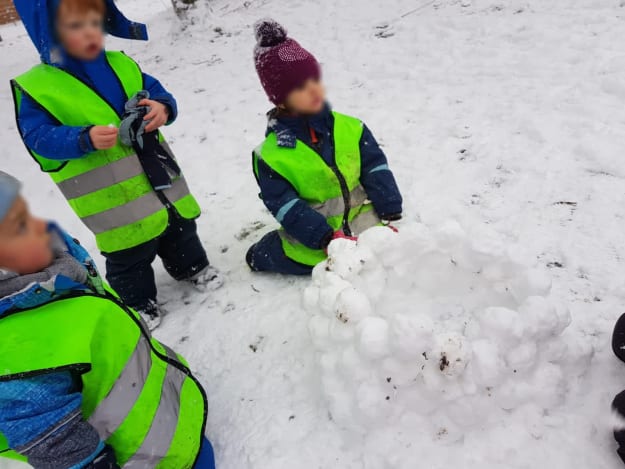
{"type": "Point", "coordinates": [9, 191]}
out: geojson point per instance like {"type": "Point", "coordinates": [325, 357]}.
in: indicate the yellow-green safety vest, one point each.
{"type": "Point", "coordinates": [333, 191]}
{"type": "Point", "coordinates": [108, 189]}
{"type": "Point", "coordinates": [137, 393]}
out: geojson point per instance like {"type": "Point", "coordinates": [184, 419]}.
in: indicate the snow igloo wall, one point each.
{"type": "Point", "coordinates": [434, 330]}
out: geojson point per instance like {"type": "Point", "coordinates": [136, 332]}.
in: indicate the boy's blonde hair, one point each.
{"type": "Point", "coordinates": [82, 6]}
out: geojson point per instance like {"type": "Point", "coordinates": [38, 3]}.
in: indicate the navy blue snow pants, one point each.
{"type": "Point", "coordinates": [267, 255]}
{"type": "Point", "coordinates": [130, 271]}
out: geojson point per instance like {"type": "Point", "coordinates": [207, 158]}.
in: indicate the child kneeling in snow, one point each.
{"type": "Point", "coordinates": [321, 174]}
{"type": "Point", "coordinates": [73, 109]}
{"type": "Point", "coordinates": [82, 383]}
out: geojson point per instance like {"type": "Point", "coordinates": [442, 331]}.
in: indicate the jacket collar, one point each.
{"type": "Point", "coordinates": [289, 129]}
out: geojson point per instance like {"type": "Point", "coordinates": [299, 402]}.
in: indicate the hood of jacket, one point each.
{"type": "Point", "coordinates": [39, 293]}
{"type": "Point", "coordinates": [39, 16]}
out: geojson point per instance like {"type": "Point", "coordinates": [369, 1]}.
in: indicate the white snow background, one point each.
{"type": "Point", "coordinates": [504, 122]}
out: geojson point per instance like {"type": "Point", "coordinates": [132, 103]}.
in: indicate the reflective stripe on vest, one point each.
{"type": "Point", "coordinates": [107, 189]}
{"type": "Point", "coordinates": [141, 398]}
{"type": "Point", "coordinates": [114, 409]}
{"type": "Point", "coordinates": [136, 210]}
{"type": "Point", "coordinates": [318, 184]}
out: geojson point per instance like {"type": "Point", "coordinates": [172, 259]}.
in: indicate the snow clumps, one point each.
{"type": "Point", "coordinates": [440, 330]}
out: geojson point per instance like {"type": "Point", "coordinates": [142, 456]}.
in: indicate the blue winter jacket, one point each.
{"type": "Point", "coordinates": [40, 132]}
{"type": "Point", "coordinates": [280, 197]}
{"type": "Point", "coordinates": [41, 416]}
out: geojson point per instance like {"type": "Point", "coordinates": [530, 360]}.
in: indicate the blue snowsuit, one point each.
{"type": "Point", "coordinates": [129, 272]}
{"type": "Point", "coordinates": [296, 216]}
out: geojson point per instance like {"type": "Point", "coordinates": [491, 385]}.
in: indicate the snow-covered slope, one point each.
{"type": "Point", "coordinates": [501, 113]}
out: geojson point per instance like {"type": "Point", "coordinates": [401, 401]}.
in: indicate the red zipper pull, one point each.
{"type": "Point", "coordinates": [313, 135]}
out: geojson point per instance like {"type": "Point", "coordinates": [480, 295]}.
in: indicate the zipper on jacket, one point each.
{"type": "Point", "coordinates": [316, 146]}
{"type": "Point", "coordinates": [344, 189]}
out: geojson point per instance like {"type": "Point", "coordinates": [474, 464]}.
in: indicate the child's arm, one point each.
{"type": "Point", "coordinates": [378, 180]}
{"type": "Point", "coordinates": [41, 418]}
{"type": "Point", "coordinates": [159, 93]}
{"type": "Point", "coordinates": [45, 136]}
{"type": "Point", "coordinates": [295, 215]}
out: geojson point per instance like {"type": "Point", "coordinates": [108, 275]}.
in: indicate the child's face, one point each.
{"type": "Point", "coordinates": [308, 99]}
{"type": "Point", "coordinates": [24, 241]}
{"type": "Point", "coordinates": [81, 34]}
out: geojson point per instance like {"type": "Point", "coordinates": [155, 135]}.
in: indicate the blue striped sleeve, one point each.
{"type": "Point", "coordinates": [285, 209]}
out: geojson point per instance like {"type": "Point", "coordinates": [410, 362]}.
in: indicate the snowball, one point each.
{"type": "Point", "coordinates": [411, 335]}
{"type": "Point", "coordinates": [373, 337]}
{"type": "Point", "coordinates": [487, 363]}
{"type": "Point", "coordinates": [451, 353]}
{"type": "Point", "coordinates": [352, 306]}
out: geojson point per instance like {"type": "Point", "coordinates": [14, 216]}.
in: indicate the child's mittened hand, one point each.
{"type": "Point", "coordinates": [103, 137]}
{"type": "Point", "coordinates": [341, 235]}
{"type": "Point", "coordinates": [158, 115]}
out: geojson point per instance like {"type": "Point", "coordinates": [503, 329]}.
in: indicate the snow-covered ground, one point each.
{"type": "Point", "coordinates": [504, 122]}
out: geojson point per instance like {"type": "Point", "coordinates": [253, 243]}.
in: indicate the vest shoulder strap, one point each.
{"type": "Point", "coordinates": [64, 328]}
{"type": "Point", "coordinates": [127, 70]}
{"type": "Point", "coordinates": [347, 125]}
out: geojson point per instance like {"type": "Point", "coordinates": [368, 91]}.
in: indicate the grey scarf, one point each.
{"type": "Point", "coordinates": [64, 264]}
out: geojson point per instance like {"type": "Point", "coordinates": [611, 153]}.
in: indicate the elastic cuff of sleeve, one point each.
{"type": "Point", "coordinates": [391, 217]}
{"type": "Point", "coordinates": [171, 115]}
{"type": "Point", "coordinates": [87, 461]}
{"type": "Point", "coordinates": [327, 238]}
{"type": "Point", "coordinates": [84, 140]}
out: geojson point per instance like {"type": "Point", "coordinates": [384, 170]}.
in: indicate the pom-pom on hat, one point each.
{"type": "Point", "coordinates": [282, 64]}
{"type": "Point", "coordinates": [9, 191]}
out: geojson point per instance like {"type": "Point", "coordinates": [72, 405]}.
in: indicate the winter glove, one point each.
{"type": "Point", "coordinates": [105, 460]}
{"type": "Point", "coordinates": [132, 127]}
{"type": "Point", "coordinates": [341, 235]}
{"type": "Point", "coordinates": [159, 166]}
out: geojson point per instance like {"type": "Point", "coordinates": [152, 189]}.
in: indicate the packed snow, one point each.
{"type": "Point", "coordinates": [444, 333]}
{"type": "Point", "coordinates": [504, 123]}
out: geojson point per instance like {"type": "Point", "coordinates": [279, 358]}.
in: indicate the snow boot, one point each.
{"type": "Point", "coordinates": [151, 315]}
{"type": "Point", "coordinates": [207, 280]}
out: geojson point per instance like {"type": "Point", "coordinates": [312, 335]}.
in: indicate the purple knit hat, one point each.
{"type": "Point", "coordinates": [282, 64]}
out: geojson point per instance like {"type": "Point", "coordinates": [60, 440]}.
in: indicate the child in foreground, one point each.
{"type": "Point", "coordinates": [82, 383]}
{"type": "Point", "coordinates": [321, 174]}
{"type": "Point", "coordinates": [90, 119]}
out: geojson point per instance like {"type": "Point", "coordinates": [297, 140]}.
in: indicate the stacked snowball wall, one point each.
{"type": "Point", "coordinates": [441, 327]}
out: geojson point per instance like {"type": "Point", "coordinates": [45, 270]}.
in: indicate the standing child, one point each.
{"type": "Point", "coordinates": [82, 382]}
{"type": "Point", "coordinates": [72, 110]}
{"type": "Point", "coordinates": [321, 174]}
